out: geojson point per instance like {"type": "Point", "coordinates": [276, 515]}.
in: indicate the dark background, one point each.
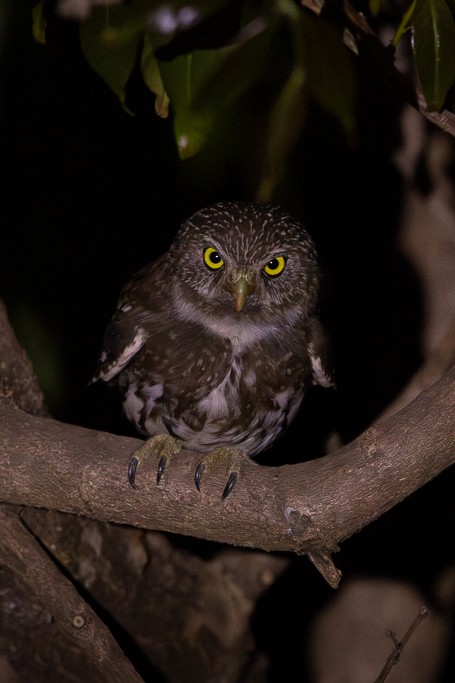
{"type": "Point", "coordinates": [89, 194]}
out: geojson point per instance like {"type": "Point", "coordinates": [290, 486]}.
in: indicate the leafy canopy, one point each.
{"type": "Point", "coordinates": [202, 59]}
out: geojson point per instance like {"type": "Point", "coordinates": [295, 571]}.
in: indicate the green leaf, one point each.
{"type": "Point", "coordinates": [405, 23]}
{"type": "Point", "coordinates": [110, 39]}
{"type": "Point", "coordinates": [322, 71]}
{"type": "Point", "coordinates": [241, 64]}
{"type": "Point", "coordinates": [375, 7]}
{"type": "Point", "coordinates": [183, 79]}
{"type": "Point", "coordinates": [319, 49]}
{"type": "Point", "coordinates": [434, 50]}
{"type": "Point", "coordinates": [289, 109]}
{"type": "Point", "coordinates": [380, 6]}
{"type": "Point", "coordinates": [152, 78]}
{"type": "Point", "coordinates": [433, 43]}
{"type": "Point", "coordinates": [285, 124]}
{"type": "Point", "coordinates": [330, 73]}
{"type": "Point", "coordinates": [210, 81]}
{"type": "Point", "coordinates": [39, 23]}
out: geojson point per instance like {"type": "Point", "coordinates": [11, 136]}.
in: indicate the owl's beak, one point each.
{"type": "Point", "coordinates": [241, 286]}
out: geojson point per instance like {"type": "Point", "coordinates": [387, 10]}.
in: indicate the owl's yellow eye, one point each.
{"type": "Point", "coordinates": [275, 266]}
{"type": "Point", "coordinates": [212, 259]}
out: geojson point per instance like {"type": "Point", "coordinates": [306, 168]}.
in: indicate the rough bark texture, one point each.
{"type": "Point", "coordinates": [176, 614]}
{"type": "Point", "coordinates": [173, 610]}
{"type": "Point", "coordinates": [45, 609]}
{"type": "Point", "coordinates": [305, 508]}
{"type": "Point", "coordinates": [17, 378]}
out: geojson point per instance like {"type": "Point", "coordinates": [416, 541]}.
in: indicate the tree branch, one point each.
{"type": "Point", "coordinates": [187, 616]}
{"type": "Point", "coordinates": [306, 508]}
{"type": "Point", "coordinates": [69, 615]}
{"type": "Point", "coordinates": [17, 378]}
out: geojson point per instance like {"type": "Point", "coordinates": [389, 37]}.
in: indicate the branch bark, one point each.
{"type": "Point", "coordinates": [177, 614]}
{"type": "Point", "coordinates": [68, 616]}
{"type": "Point", "coordinates": [306, 508]}
{"type": "Point", "coordinates": [17, 378]}
{"type": "Point", "coordinates": [195, 622]}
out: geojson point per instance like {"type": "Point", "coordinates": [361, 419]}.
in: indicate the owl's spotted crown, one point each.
{"type": "Point", "coordinates": [247, 226]}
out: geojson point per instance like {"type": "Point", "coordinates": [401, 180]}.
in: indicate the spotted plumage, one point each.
{"type": "Point", "coordinates": [216, 342]}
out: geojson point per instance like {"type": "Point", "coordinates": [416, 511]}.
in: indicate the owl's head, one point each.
{"type": "Point", "coordinates": [244, 261]}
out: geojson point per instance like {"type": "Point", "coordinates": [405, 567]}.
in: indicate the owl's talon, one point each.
{"type": "Point", "coordinates": [161, 446]}
{"type": "Point", "coordinates": [229, 461]}
{"type": "Point", "coordinates": [198, 475]}
{"type": "Point", "coordinates": [161, 467]}
{"type": "Point", "coordinates": [132, 468]}
{"type": "Point", "coordinates": [231, 482]}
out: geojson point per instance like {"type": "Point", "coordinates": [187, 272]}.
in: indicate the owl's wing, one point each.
{"type": "Point", "coordinates": [320, 351]}
{"type": "Point", "coordinates": [126, 334]}
{"type": "Point", "coordinates": [122, 340]}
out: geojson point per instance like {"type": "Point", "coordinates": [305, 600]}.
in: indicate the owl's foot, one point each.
{"type": "Point", "coordinates": [162, 446]}
{"type": "Point", "coordinates": [231, 459]}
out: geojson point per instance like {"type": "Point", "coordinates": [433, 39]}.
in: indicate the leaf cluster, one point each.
{"type": "Point", "coordinates": [432, 27]}
{"type": "Point", "coordinates": [203, 61]}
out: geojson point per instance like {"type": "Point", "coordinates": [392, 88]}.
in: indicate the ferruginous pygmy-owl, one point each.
{"type": "Point", "coordinates": [215, 342]}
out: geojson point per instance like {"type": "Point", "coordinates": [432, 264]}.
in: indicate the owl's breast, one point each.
{"type": "Point", "coordinates": [174, 369]}
{"type": "Point", "coordinates": [249, 407]}
{"type": "Point", "coordinates": [246, 410]}
{"type": "Point", "coordinates": [210, 391]}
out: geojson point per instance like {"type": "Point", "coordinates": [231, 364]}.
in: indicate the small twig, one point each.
{"type": "Point", "coordinates": [394, 656]}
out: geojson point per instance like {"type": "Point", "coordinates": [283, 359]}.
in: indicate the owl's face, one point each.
{"type": "Point", "coordinates": [244, 261]}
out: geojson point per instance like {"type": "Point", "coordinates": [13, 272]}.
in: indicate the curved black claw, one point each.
{"type": "Point", "coordinates": [161, 467]}
{"type": "Point", "coordinates": [132, 469]}
{"type": "Point", "coordinates": [198, 475]}
{"type": "Point", "coordinates": [162, 446]}
{"type": "Point", "coordinates": [231, 482]}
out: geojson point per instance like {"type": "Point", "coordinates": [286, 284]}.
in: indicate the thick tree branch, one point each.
{"type": "Point", "coordinates": [305, 508]}
{"type": "Point", "coordinates": [17, 378]}
{"type": "Point", "coordinates": [68, 614]}
{"type": "Point", "coordinates": [178, 630]}
{"type": "Point", "coordinates": [189, 616]}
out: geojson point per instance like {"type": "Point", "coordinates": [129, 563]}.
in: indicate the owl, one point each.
{"type": "Point", "coordinates": [214, 344]}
